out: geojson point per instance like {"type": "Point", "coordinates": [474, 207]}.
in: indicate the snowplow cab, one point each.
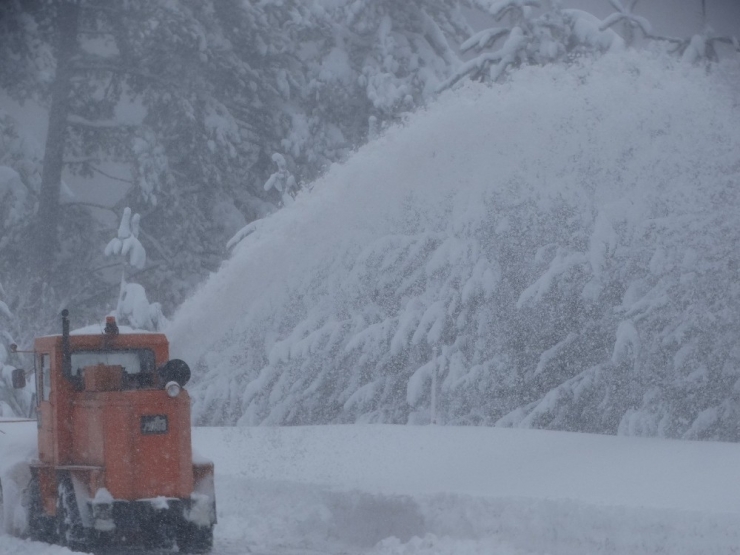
{"type": "Point", "coordinates": [115, 463]}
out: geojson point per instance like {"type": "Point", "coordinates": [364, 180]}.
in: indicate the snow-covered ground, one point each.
{"type": "Point", "coordinates": [387, 490]}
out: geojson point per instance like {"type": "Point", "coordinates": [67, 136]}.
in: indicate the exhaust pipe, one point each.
{"type": "Point", "coordinates": [66, 352]}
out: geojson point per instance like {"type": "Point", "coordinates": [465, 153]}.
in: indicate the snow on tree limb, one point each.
{"type": "Point", "coordinates": [585, 28]}
{"type": "Point", "coordinates": [484, 39]}
{"type": "Point", "coordinates": [537, 38]}
{"type": "Point", "coordinates": [515, 42]}
{"type": "Point", "coordinates": [133, 305]}
{"type": "Point", "coordinates": [126, 242]}
{"type": "Point", "coordinates": [499, 9]}
{"type": "Point", "coordinates": [611, 20]}
{"type": "Point", "coordinates": [615, 18]}
{"type": "Point", "coordinates": [243, 232]}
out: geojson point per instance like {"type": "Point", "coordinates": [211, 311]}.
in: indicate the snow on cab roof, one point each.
{"type": "Point", "coordinates": [98, 329]}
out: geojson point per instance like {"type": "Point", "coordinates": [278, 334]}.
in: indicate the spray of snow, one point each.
{"type": "Point", "coordinates": [538, 230]}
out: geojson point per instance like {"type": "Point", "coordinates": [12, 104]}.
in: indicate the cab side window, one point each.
{"type": "Point", "coordinates": [44, 377]}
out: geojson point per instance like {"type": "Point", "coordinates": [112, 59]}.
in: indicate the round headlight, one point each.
{"type": "Point", "coordinates": [173, 389]}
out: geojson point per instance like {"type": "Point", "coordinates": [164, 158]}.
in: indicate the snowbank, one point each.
{"type": "Point", "coordinates": [485, 462]}
{"type": "Point", "coordinates": [392, 490]}
{"type": "Point", "coordinates": [17, 448]}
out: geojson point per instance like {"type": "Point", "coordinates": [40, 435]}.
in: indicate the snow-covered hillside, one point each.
{"type": "Point", "coordinates": [559, 250]}
{"type": "Point", "coordinates": [392, 490]}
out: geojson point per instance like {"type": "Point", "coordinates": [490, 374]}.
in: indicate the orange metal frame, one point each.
{"type": "Point", "coordinates": [96, 435]}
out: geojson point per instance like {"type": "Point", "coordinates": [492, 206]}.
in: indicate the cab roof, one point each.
{"type": "Point", "coordinates": [81, 339]}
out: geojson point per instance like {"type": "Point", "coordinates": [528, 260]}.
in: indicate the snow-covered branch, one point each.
{"type": "Point", "coordinates": [497, 61]}
{"type": "Point", "coordinates": [498, 10]}
{"type": "Point", "coordinates": [615, 18]}
{"type": "Point", "coordinates": [133, 305]}
{"type": "Point", "coordinates": [484, 39]}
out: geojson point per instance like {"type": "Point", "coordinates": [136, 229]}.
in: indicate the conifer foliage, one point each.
{"type": "Point", "coordinates": [133, 306]}
{"type": "Point", "coordinates": [13, 402]}
{"type": "Point", "coordinates": [183, 105]}
{"type": "Point", "coordinates": [211, 115]}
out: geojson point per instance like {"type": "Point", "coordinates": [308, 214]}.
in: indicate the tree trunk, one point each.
{"type": "Point", "coordinates": [51, 178]}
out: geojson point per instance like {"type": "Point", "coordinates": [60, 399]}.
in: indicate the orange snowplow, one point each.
{"type": "Point", "coordinates": [115, 463]}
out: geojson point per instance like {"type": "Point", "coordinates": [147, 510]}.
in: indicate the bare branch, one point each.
{"type": "Point", "coordinates": [81, 299]}
{"type": "Point", "coordinates": [157, 245]}
{"type": "Point", "coordinates": [93, 32]}
{"type": "Point", "coordinates": [83, 160]}
{"type": "Point", "coordinates": [118, 69]}
{"type": "Point", "coordinates": [106, 266]}
{"type": "Point", "coordinates": [98, 124]}
{"type": "Point", "coordinates": [91, 205]}
{"type": "Point", "coordinates": [109, 176]}
{"type": "Point", "coordinates": [93, 160]}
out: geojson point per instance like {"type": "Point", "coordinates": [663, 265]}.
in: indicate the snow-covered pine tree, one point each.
{"type": "Point", "coordinates": [20, 179]}
{"type": "Point", "coordinates": [532, 32]}
{"type": "Point", "coordinates": [6, 337]}
{"type": "Point", "coordinates": [366, 59]}
{"type": "Point", "coordinates": [133, 307]}
{"type": "Point", "coordinates": [47, 254]}
{"type": "Point", "coordinates": [13, 402]}
{"type": "Point", "coordinates": [168, 75]}
{"type": "Point", "coordinates": [187, 101]}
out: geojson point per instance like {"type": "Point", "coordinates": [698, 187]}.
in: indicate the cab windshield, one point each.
{"type": "Point", "coordinates": [138, 364]}
{"type": "Point", "coordinates": [138, 361]}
